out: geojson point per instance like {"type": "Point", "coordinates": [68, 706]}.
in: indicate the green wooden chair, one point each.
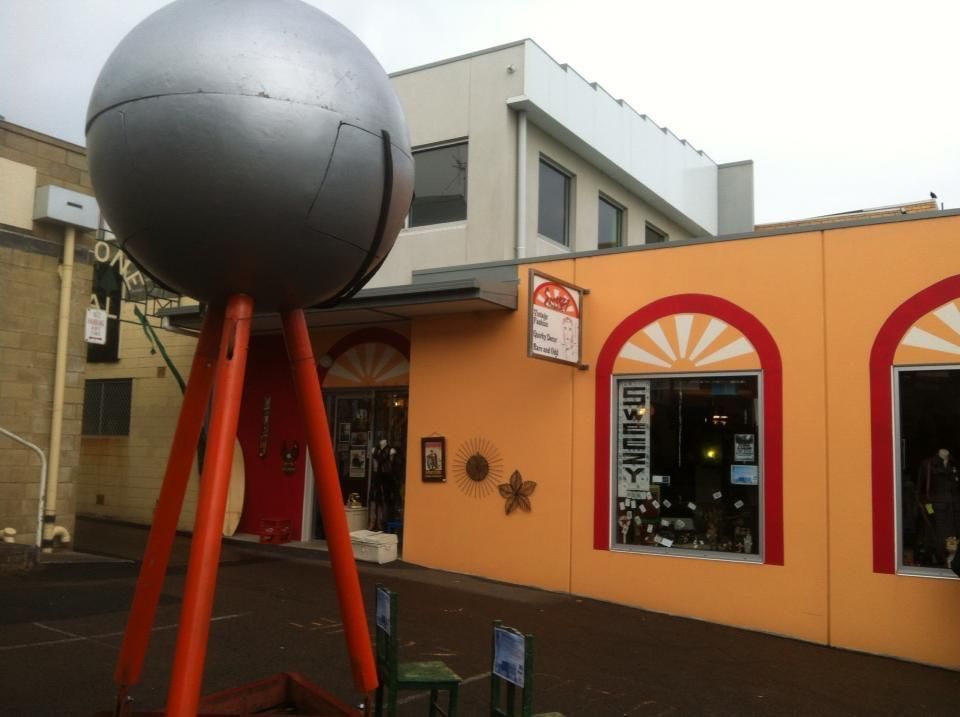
{"type": "Point", "coordinates": [512, 665]}
{"type": "Point", "coordinates": [433, 675]}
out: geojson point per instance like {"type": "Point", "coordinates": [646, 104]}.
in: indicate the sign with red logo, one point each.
{"type": "Point", "coordinates": [555, 312]}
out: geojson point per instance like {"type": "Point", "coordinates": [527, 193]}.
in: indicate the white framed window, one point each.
{"type": "Point", "coordinates": [609, 223]}
{"type": "Point", "coordinates": [927, 447]}
{"type": "Point", "coordinates": [686, 465]}
{"type": "Point", "coordinates": [440, 185]}
{"type": "Point", "coordinates": [553, 213]}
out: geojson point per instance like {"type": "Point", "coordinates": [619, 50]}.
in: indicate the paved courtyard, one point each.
{"type": "Point", "coordinates": [61, 626]}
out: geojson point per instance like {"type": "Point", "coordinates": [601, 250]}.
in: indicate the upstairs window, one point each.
{"type": "Point", "coordinates": [553, 219]}
{"type": "Point", "coordinates": [654, 235]}
{"type": "Point", "coordinates": [609, 224]}
{"type": "Point", "coordinates": [440, 187]}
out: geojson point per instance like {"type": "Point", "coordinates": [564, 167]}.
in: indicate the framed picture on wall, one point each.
{"type": "Point", "coordinates": [358, 463]}
{"type": "Point", "coordinates": [433, 453]}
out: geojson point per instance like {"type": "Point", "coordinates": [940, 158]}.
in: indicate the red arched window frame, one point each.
{"type": "Point", "coordinates": [881, 413]}
{"type": "Point", "coordinates": [365, 336]}
{"type": "Point", "coordinates": [772, 381]}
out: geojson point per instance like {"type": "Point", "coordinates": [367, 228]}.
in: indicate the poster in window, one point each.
{"type": "Point", "coordinates": [744, 475]}
{"type": "Point", "coordinates": [555, 319]}
{"type": "Point", "coordinates": [358, 463]}
{"type": "Point", "coordinates": [433, 459]}
{"type": "Point", "coordinates": [744, 447]}
{"type": "Point", "coordinates": [633, 438]}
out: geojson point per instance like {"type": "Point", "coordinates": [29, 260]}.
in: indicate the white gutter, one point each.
{"type": "Point", "coordinates": [59, 379]}
{"type": "Point", "coordinates": [521, 184]}
{"type": "Point", "coordinates": [43, 479]}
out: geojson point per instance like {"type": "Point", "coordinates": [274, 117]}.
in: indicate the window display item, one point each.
{"type": "Point", "coordinates": [385, 485]}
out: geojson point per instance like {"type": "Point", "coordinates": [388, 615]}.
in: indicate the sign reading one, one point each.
{"type": "Point", "coordinates": [95, 327]}
{"type": "Point", "coordinates": [555, 311]}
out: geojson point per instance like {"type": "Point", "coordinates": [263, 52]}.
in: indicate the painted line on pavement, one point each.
{"type": "Point", "coordinates": [73, 637]}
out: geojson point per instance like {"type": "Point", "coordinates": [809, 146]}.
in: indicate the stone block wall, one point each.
{"type": "Point", "coordinates": [30, 257]}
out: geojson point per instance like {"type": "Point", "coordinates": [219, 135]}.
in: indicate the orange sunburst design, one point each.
{"type": "Point", "coordinates": [687, 342]}
{"type": "Point", "coordinates": [933, 339]}
{"type": "Point", "coordinates": [368, 364]}
{"type": "Point", "coordinates": [556, 297]}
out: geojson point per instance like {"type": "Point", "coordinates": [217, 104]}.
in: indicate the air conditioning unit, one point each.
{"type": "Point", "coordinates": [64, 206]}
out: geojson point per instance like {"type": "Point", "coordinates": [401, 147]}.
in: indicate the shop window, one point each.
{"type": "Point", "coordinates": [915, 432]}
{"type": "Point", "coordinates": [686, 468]}
{"type": "Point", "coordinates": [106, 407]}
{"type": "Point", "coordinates": [553, 216]}
{"type": "Point", "coordinates": [440, 187]}
{"type": "Point", "coordinates": [654, 235]}
{"type": "Point", "coordinates": [928, 490]}
{"type": "Point", "coordinates": [689, 433]}
{"type": "Point", "coordinates": [609, 225]}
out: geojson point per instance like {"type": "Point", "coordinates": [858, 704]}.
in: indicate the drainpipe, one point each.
{"type": "Point", "coordinates": [59, 379]}
{"type": "Point", "coordinates": [521, 184]}
{"type": "Point", "coordinates": [43, 478]}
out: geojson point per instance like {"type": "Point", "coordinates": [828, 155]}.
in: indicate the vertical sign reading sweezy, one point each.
{"type": "Point", "coordinates": [555, 312]}
{"type": "Point", "coordinates": [633, 439]}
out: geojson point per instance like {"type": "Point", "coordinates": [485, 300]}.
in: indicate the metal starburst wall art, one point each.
{"type": "Point", "coordinates": [517, 493]}
{"type": "Point", "coordinates": [477, 467]}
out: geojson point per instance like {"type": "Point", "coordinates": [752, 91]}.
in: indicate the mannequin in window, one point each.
{"type": "Point", "coordinates": [938, 490]}
{"type": "Point", "coordinates": [384, 485]}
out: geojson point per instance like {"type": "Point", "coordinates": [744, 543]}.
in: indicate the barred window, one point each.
{"type": "Point", "coordinates": [106, 407]}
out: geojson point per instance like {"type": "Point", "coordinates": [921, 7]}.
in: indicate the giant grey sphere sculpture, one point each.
{"type": "Point", "coordinates": [250, 146]}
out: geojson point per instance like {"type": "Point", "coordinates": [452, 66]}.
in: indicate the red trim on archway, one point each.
{"type": "Point", "coordinates": [772, 376]}
{"type": "Point", "coordinates": [881, 413]}
{"type": "Point", "coordinates": [365, 336]}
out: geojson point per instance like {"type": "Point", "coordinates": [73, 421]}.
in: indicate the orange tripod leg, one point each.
{"type": "Point", "coordinates": [184, 694]}
{"type": "Point", "coordinates": [329, 496]}
{"type": "Point", "coordinates": [165, 516]}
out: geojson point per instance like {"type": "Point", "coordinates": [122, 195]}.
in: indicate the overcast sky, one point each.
{"type": "Point", "coordinates": [841, 105]}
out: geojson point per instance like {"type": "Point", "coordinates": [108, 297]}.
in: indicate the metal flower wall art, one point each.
{"type": "Point", "coordinates": [517, 493]}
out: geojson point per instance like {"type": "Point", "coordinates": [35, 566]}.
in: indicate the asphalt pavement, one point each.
{"type": "Point", "coordinates": [61, 626]}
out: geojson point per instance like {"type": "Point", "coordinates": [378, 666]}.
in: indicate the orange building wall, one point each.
{"type": "Point", "coordinates": [778, 281]}
{"type": "Point", "coordinates": [470, 379]}
{"type": "Point", "coordinates": [870, 271]}
{"type": "Point", "coordinates": [822, 295]}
